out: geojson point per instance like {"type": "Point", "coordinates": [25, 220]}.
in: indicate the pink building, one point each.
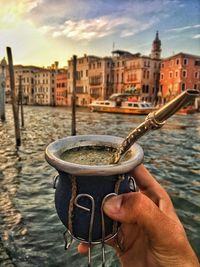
{"type": "Point", "coordinates": [61, 89]}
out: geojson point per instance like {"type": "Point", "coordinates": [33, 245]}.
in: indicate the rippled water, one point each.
{"type": "Point", "coordinates": [31, 232]}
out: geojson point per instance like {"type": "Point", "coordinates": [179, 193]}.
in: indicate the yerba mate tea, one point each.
{"type": "Point", "coordinates": [91, 155]}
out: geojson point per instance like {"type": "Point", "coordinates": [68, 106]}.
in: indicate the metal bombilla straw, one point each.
{"type": "Point", "coordinates": [155, 120]}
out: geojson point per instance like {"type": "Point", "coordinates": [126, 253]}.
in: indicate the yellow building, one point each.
{"type": "Point", "coordinates": [100, 78]}
{"type": "Point", "coordinates": [45, 87]}
{"type": "Point", "coordinates": [27, 76]}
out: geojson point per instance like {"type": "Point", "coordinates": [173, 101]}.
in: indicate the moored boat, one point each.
{"type": "Point", "coordinates": [187, 110]}
{"type": "Point", "coordinates": [125, 104]}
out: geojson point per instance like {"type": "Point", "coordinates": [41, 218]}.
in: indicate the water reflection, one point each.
{"type": "Point", "coordinates": [30, 228]}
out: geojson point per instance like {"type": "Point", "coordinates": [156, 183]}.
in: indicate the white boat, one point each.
{"type": "Point", "coordinates": [116, 104]}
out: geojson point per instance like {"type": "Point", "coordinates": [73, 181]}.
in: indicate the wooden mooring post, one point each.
{"type": "Point", "coordinates": [21, 100]}
{"type": "Point", "coordinates": [73, 99]}
{"type": "Point", "coordinates": [2, 89]}
{"type": "Point", "coordinates": [14, 97]}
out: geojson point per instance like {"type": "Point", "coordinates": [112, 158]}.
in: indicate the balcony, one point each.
{"type": "Point", "coordinates": [95, 83]}
{"type": "Point", "coordinates": [133, 67]}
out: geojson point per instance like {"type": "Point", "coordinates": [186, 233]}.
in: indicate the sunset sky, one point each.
{"type": "Point", "coordinates": [42, 31]}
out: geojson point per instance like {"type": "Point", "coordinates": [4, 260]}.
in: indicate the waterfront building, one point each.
{"type": "Point", "coordinates": [38, 84]}
{"type": "Point", "coordinates": [119, 58]}
{"type": "Point", "coordinates": [45, 87]}
{"type": "Point", "coordinates": [27, 75]}
{"type": "Point", "coordinates": [138, 73]}
{"type": "Point", "coordinates": [82, 81]}
{"type": "Point", "coordinates": [61, 88]}
{"type": "Point", "coordinates": [100, 78]}
{"type": "Point", "coordinates": [93, 81]}
{"type": "Point", "coordinates": [141, 73]}
{"type": "Point", "coordinates": [178, 73]}
{"type": "Point", "coordinates": [45, 81]}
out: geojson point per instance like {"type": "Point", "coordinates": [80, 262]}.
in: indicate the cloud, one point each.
{"type": "Point", "coordinates": [13, 11]}
{"type": "Point", "coordinates": [197, 36]}
{"type": "Point", "coordinates": [91, 20]}
{"type": "Point", "coordinates": [89, 29]}
{"type": "Point", "coordinates": [180, 29]}
{"type": "Point", "coordinates": [51, 11]}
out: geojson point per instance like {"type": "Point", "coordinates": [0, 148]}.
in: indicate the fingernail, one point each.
{"type": "Point", "coordinates": [113, 204]}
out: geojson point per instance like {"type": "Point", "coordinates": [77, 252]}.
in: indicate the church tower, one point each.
{"type": "Point", "coordinates": [156, 47]}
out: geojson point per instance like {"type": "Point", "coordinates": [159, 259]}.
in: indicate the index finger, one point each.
{"type": "Point", "coordinates": [144, 179]}
{"type": "Point", "coordinates": [151, 188]}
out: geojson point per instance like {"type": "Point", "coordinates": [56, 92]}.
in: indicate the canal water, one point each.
{"type": "Point", "coordinates": [30, 231]}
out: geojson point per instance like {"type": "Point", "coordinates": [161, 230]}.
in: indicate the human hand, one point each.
{"type": "Point", "coordinates": [150, 234]}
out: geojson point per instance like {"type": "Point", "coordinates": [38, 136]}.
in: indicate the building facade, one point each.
{"type": "Point", "coordinates": [141, 73]}
{"type": "Point", "coordinates": [44, 93]}
{"type": "Point", "coordinates": [27, 76]}
{"type": "Point", "coordinates": [178, 73]}
{"type": "Point", "coordinates": [100, 78]}
{"type": "Point", "coordinates": [119, 58]}
{"type": "Point", "coordinates": [61, 88]}
{"type": "Point", "coordinates": [82, 81]}
{"type": "Point", "coordinates": [138, 73]}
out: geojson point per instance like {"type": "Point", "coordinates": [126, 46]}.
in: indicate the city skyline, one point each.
{"type": "Point", "coordinates": [43, 31]}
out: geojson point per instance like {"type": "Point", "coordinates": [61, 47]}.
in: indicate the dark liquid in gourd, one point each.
{"type": "Point", "coordinates": [90, 155]}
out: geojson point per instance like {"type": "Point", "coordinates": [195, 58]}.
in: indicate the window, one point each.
{"type": "Point", "coordinates": [176, 74]}
{"type": "Point", "coordinates": [184, 73]}
{"type": "Point", "coordinates": [185, 61]}
{"type": "Point", "coordinates": [162, 76]}
{"type": "Point", "coordinates": [108, 78]}
{"type": "Point", "coordinates": [170, 74]}
{"type": "Point", "coordinates": [197, 62]}
{"type": "Point", "coordinates": [183, 86]}
{"type": "Point", "coordinates": [162, 65]}
{"type": "Point", "coordinates": [196, 75]}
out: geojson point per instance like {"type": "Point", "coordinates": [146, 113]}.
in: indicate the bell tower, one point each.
{"type": "Point", "coordinates": [156, 47]}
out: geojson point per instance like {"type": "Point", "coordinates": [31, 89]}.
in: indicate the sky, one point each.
{"type": "Point", "coordinates": [43, 31]}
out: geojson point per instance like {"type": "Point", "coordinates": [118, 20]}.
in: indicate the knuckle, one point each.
{"type": "Point", "coordinates": [136, 204]}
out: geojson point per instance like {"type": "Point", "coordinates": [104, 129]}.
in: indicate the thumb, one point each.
{"type": "Point", "coordinates": [137, 208]}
